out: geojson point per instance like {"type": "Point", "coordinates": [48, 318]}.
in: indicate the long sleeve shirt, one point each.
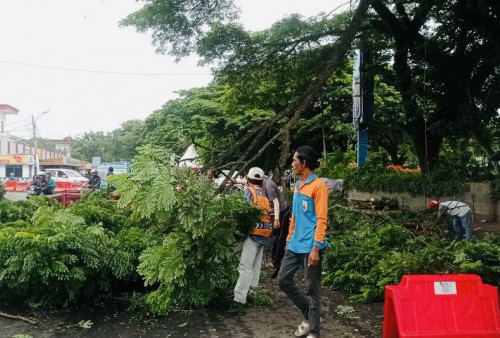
{"type": "Point", "coordinates": [453, 208]}
{"type": "Point", "coordinates": [309, 216]}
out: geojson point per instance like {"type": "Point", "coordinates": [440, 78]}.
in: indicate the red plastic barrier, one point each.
{"type": "Point", "coordinates": [71, 197]}
{"type": "Point", "coordinates": [441, 306]}
{"type": "Point", "coordinates": [68, 186]}
{"type": "Point", "coordinates": [21, 186]}
{"type": "Point", "coordinates": [76, 186]}
{"type": "Point", "coordinates": [61, 186]}
{"type": "Point", "coordinates": [10, 185]}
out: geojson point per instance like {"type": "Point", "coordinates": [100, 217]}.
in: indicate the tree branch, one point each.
{"type": "Point", "coordinates": [342, 45]}
{"type": "Point", "coordinates": [3, 314]}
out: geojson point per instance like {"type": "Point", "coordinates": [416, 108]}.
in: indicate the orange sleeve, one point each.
{"type": "Point", "coordinates": [321, 209]}
{"type": "Point", "coordinates": [291, 229]}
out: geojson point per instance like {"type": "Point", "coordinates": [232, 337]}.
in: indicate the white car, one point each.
{"type": "Point", "coordinates": [66, 175]}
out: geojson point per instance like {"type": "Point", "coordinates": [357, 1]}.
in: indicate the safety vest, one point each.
{"type": "Point", "coordinates": [260, 200]}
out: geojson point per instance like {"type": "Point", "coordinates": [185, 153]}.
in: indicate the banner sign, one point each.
{"type": "Point", "coordinates": [71, 161]}
{"type": "Point", "coordinates": [14, 159]}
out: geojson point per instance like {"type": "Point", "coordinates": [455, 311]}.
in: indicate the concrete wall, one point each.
{"type": "Point", "coordinates": [475, 194]}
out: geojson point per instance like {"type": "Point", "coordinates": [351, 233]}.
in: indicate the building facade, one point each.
{"type": "Point", "coordinates": [64, 145]}
{"type": "Point", "coordinates": [17, 156]}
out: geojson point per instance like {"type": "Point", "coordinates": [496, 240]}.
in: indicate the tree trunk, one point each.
{"type": "Point", "coordinates": [427, 147]}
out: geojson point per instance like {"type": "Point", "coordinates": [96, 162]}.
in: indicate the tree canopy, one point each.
{"type": "Point", "coordinates": [435, 64]}
{"type": "Point", "coordinates": [119, 144]}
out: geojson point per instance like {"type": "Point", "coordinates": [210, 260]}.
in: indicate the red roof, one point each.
{"type": "Point", "coordinates": [5, 108]}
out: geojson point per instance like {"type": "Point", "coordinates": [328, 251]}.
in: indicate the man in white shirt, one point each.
{"type": "Point", "coordinates": [461, 213]}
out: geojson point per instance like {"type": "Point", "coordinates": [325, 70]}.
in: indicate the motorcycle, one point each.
{"type": "Point", "coordinates": [34, 190]}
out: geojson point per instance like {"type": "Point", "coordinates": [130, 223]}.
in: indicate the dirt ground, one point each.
{"type": "Point", "coordinates": [341, 318]}
{"type": "Point", "coordinates": [483, 226]}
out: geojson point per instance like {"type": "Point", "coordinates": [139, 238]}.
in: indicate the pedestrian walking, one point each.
{"type": "Point", "coordinates": [306, 241]}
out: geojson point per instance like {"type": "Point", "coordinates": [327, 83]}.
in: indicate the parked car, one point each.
{"type": "Point", "coordinates": [66, 175]}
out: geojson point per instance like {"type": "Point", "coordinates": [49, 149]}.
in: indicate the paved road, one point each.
{"type": "Point", "coordinates": [15, 196]}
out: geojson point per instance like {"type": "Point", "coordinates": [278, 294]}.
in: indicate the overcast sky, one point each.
{"type": "Point", "coordinates": [69, 56]}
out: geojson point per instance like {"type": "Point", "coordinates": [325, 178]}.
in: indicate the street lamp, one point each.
{"type": "Point", "coordinates": [33, 120]}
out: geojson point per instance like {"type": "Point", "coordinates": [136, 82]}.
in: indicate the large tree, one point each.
{"type": "Point", "coordinates": [294, 60]}
{"type": "Point", "coordinates": [444, 54]}
{"type": "Point", "coordinates": [119, 144]}
{"type": "Point", "coordinates": [447, 64]}
{"type": "Point", "coordinates": [208, 118]}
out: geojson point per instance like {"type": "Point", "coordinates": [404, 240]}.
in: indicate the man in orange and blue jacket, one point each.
{"type": "Point", "coordinates": [306, 241]}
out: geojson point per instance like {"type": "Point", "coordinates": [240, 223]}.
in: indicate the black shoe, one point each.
{"type": "Point", "coordinates": [275, 274]}
{"type": "Point", "coordinates": [237, 305]}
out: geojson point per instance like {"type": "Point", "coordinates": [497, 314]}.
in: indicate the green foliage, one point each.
{"type": "Point", "coordinates": [177, 26]}
{"type": "Point", "coordinates": [150, 188]}
{"type": "Point", "coordinates": [342, 218]}
{"type": "Point", "coordinates": [211, 116]}
{"type": "Point", "coordinates": [337, 165]}
{"type": "Point", "coordinates": [442, 182]}
{"type": "Point", "coordinates": [194, 263]}
{"type": "Point", "coordinates": [435, 70]}
{"type": "Point", "coordinates": [2, 190]}
{"type": "Point", "coordinates": [246, 94]}
{"type": "Point", "coordinates": [90, 144]}
{"type": "Point", "coordinates": [116, 145]}
{"type": "Point", "coordinates": [470, 162]}
{"type": "Point", "coordinates": [58, 259]}
{"type": "Point", "coordinates": [374, 251]}
{"type": "Point", "coordinates": [55, 256]}
{"type": "Point", "coordinates": [96, 208]}
{"type": "Point", "coordinates": [24, 210]}
{"type": "Point", "coordinates": [259, 297]}
{"type": "Point", "coordinates": [495, 189]}
{"type": "Point", "coordinates": [52, 255]}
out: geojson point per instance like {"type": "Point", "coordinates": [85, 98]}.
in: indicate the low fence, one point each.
{"type": "Point", "coordinates": [476, 194]}
{"type": "Point", "coordinates": [68, 186]}
{"type": "Point", "coordinates": [23, 186]}
{"type": "Point", "coordinates": [12, 185]}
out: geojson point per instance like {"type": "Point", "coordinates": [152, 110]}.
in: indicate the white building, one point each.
{"type": "Point", "coordinates": [16, 154]}
{"type": "Point", "coordinates": [64, 145]}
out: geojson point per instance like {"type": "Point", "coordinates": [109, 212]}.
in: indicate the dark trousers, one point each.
{"type": "Point", "coordinates": [279, 238]}
{"type": "Point", "coordinates": [310, 302]}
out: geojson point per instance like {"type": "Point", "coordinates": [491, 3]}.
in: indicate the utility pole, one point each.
{"type": "Point", "coordinates": [36, 145]}
{"type": "Point", "coordinates": [33, 121]}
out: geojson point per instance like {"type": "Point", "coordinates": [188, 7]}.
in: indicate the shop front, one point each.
{"type": "Point", "coordinates": [21, 166]}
